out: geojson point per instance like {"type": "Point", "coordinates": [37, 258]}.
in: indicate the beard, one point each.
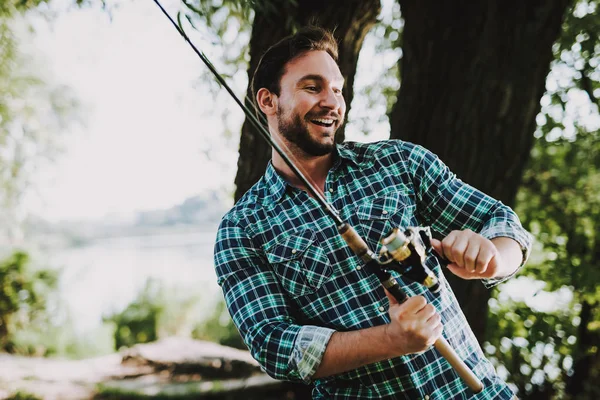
{"type": "Point", "coordinates": [295, 130]}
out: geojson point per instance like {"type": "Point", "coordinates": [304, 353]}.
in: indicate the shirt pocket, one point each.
{"type": "Point", "coordinates": [379, 215]}
{"type": "Point", "coordinates": [300, 263]}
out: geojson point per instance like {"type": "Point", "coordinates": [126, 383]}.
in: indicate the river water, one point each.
{"type": "Point", "coordinates": [106, 275]}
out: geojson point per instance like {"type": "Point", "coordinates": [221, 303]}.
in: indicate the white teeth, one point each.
{"type": "Point", "coordinates": [324, 121]}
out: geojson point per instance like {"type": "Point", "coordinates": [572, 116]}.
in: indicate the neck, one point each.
{"type": "Point", "coordinates": [315, 168]}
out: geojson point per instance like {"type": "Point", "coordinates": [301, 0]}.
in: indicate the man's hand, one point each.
{"type": "Point", "coordinates": [472, 256]}
{"type": "Point", "coordinates": [414, 327]}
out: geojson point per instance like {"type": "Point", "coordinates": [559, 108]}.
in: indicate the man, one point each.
{"type": "Point", "coordinates": [300, 298]}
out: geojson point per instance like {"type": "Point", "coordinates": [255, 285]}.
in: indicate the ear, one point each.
{"type": "Point", "coordinates": [267, 101]}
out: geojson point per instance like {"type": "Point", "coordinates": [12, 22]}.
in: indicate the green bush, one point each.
{"type": "Point", "coordinates": [220, 328]}
{"type": "Point", "coordinates": [20, 395]}
{"type": "Point", "coordinates": [24, 302]}
{"type": "Point", "coordinates": [139, 321]}
{"type": "Point", "coordinates": [158, 312]}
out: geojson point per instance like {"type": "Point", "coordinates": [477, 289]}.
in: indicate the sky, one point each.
{"type": "Point", "coordinates": [151, 136]}
{"type": "Point", "coordinates": [147, 126]}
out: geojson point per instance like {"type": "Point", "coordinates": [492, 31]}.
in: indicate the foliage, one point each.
{"type": "Point", "coordinates": [220, 328]}
{"type": "Point", "coordinates": [226, 26]}
{"type": "Point", "coordinates": [138, 322]}
{"type": "Point", "coordinates": [531, 348]}
{"type": "Point", "coordinates": [24, 300]}
{"type": "Point", "coordinates": [552, 354]}
{"type": "Point", "coordinates": [379, 70]}
{"type": "Point", "coordinates": [158, 311]}
{"type": "Point", "coordinates": [33, 114]}
{"type": "Point", "coordinates": [21, 395]}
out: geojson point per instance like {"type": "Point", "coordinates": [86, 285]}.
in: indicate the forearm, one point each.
{"type": "Point", "coordinates": [510, 254]}
{"type": "Point", "coordinates": [350, 350]}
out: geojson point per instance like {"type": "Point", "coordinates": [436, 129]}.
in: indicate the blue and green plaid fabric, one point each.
{"type": "Point", "coordinates": [290, 280]}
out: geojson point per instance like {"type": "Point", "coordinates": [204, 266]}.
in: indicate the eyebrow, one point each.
{"type": "Point", "coordinates": [316, 77]}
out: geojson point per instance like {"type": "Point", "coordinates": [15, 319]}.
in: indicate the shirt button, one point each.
{"type": "Point", "coordinates": [359, 267]}
{"type": "Point", "coordinates": [330, 190]}
{"type": "Point", "coordinates": [426, 397]}
{"type": "Point", "coordinates": [294, 251]}
{"type": "Point", "coordinates": [384, 212]}
{"type": "Point", "coordinates": [381, 309]}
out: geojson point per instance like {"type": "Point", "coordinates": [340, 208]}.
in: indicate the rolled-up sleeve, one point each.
{"type": "Point", "coordinates": [447, 203]}
{"type": "Point", "coordinates": [261, 310]}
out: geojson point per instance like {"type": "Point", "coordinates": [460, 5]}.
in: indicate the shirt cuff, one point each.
{"type": "Point", "coordinates": [309, 349]}
{"type": "Point", "coordinates": [518, 234]}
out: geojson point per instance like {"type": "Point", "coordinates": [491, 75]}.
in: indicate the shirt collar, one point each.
{"type": "Point", "coordinates": [344, 152]}
{"type": "Point", "coordinates": [276, 185]}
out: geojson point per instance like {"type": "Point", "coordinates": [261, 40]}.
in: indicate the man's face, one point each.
{"type": "Point", "coordinates": [311, 105]}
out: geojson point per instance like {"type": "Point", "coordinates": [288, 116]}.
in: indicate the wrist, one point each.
{"type": "Point", "coordinates": [391, 341]}
{"type": "Point", "coordinates": [510, 253]}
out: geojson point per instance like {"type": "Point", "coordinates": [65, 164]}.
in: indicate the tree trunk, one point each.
{"type": "Point", "coordinates": [584, 357]}
{"type": "Point", "coordinates": [473, 74]}
{"type": "Point", "coordinates": [351, 20]}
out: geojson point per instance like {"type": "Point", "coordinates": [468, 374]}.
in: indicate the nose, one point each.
{"type": "Point", "coordinates": [331, 100]}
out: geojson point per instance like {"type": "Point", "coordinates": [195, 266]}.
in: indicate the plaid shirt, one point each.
{"type": "Point", "coordinates": [290, 280]}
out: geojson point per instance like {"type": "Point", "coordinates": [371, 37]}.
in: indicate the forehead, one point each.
{"type": "Point", "coordinates": [312, 63]}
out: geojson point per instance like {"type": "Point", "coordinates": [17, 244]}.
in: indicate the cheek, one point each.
{"type": "Point", "coordinates": [302, 102]}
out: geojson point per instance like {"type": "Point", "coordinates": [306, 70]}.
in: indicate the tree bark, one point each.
{"type": "Point", "coordinates": [585, 358]}
{"type": "Point", "coordinates": [350, 20]}
{"type": "Point", "coordinates": [473, 74]}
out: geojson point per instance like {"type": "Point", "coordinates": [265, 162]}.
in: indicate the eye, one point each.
{"type": "Point", "coordinates": [337, 91]}
{"type": "Point", "coordinates": [311, 88]}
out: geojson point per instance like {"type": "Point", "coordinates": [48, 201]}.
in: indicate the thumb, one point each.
{"type": "Point", "coordinates": [437, 246]}
{"type": "Point", "coordinates": [390, 297]}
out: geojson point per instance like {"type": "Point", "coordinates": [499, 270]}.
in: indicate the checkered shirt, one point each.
{"type": "Point", "coordinates": [290, 281]}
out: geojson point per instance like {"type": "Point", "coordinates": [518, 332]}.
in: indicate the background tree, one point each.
{"type": "Point", "coordinates": [34, 111]}
{"type": "Point", "coordinates": [554, 354]}
{"type": "Point", "coordinates": [472, 77]}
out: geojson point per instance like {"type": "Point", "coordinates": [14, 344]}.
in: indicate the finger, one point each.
{"type": "Point", "coordinates": [461, 272]}
{"type": "Point", "coordinates": [494, 264]}
{"type": "Point", "coordinates": [458, 249]}
{"type": "Point", "coordinates": [447, 244]}
{"type": "Point", "coordinates": [435, 319]}
{"type": "Point", "coordinates": [415, 304]}
{"type": "Point", "coordinates": [486, 256]}
{"type": "Point", "coordinates": [436, 332]}
{"type": "Point", "coordinates": [437, 246]}
{"type": "Point", "coordinates": [427, 312]}
{"type": "Point", "coordinates": [471, 255]}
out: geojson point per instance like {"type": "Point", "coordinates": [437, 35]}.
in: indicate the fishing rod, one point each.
{"type": "Point", "coordinates": [403, 251]}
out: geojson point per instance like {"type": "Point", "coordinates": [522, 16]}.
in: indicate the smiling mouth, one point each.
{"type": "Point", "coordinates": [326, 122]}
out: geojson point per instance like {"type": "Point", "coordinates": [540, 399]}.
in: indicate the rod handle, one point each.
{"type": "Point", "coordinates": [354, 241]}
{"type": "Point", "coordinates": [392, 286]}
{"type": "Point", "coordinates": [459, 365]}
{"type": "Point", "coordinates": [442, 346]}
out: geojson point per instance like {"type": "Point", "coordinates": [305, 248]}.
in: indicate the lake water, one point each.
{"type": "Point", "coordinates": [108, 274]}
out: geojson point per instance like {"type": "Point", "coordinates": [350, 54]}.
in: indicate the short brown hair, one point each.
{"type": "Point", "coordinates": [271, 66]}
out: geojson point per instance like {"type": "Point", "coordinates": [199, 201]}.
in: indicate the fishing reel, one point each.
{"type": "Point", "coordinates": [406, 251]}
